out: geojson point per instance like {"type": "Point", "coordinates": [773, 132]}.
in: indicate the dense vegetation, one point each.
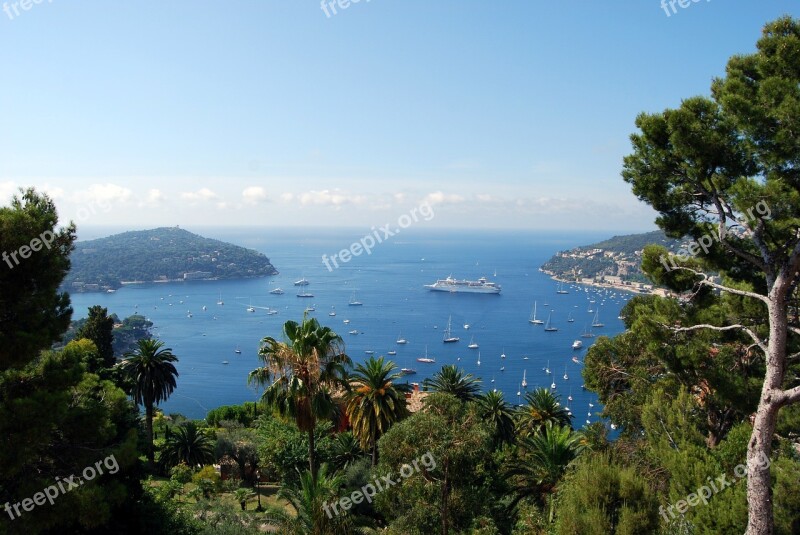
{"type": "Point", "coordinates": [160, 254]}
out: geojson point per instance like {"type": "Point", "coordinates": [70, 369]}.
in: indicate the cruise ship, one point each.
{"type": "Point", "coordinates": [480, 286]}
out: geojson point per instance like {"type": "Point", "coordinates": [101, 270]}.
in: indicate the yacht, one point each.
{"type": "Point", "coordinates": [503, 354]}
{"type": "Point", "coordinates": [345, 321]}
{"type": "Point", "coordinates": [220, 302]}
{"type": "Point", "coordinates": [401, 340]}
{"type": "Point", "coordinates": [237, 350]}
{"type": "Point", "coordinates": [354, 331]}
{"type": "Point", "coordinates": [566, 377]}
{"type": "Point", "coordinates": [472, 344]}
{"type": "Point", "coordinates": [425, 359]}
{"type": "Point", "coordinates": [596, 320]}
{"type": "Point", "coordinates": [577, 344]}
{"type": "Point", "coordinates": [277, 291]}
{"type": "Point", "coordinates": [480, 286]}
{"type": "Point", "coordinates": [305, 294]}
{"type": "Point", "coordinates": [479, 358]}
{"type": "Point", "coordinates": [354, 302]}
{"type": "Point", "coordinates": [549, 327]}
{"type": "Point", "coordinates": [533, 319]}
{"type": "Point", "coordinates": [524, 379]}
{"type": "Point", "coordinates": [448, 337]}
{"type": "Point", "coordinates": [332, 312]}
{"type": "Point", "coordinates": [587, 333]}
{"type": "Point", "coordinates": [561, 289]}
{"type": "Point", "coordinates": [271, 311]}
{"type": "Point", "coordinates": [302, 282]}
{"type": "Point", "coordinates": [391, 352]}
{"type": "Point", "coordinates": [570, 319]}
{"type": "Point", "coordinates": [251, 308]}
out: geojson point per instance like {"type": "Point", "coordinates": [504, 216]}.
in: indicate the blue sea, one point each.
{"type": "Point", "coordinates": [389, 282]}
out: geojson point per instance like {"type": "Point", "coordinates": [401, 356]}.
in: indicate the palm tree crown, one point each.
{"type": "Point", "coordinates": [495, 410]}
{"type": "Point", "coordinates": [187, 444]}
{"type": "Point", "coordinates": [375, 402]}
{"type": "Point", "coordinates": [451, 380]}
{"type": "Point", "coordinates": [542, 407]}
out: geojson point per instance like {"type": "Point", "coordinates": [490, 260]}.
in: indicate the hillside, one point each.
{"type": "Point", "coordinates": [160, 254]}
{"type": "Point", "coordinates": [616, 259]}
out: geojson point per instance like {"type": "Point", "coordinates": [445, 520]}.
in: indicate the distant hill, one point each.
{"type": "Point", "coordinates": [162, 254]}
{"type": "Point", "coordinates": [619, 256]}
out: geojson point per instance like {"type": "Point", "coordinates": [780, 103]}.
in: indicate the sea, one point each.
{"type": "Point", "coordinates": [389, 281]}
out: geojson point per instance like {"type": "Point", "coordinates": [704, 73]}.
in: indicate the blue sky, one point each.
{"type": "Point", "coordinates": [508, 114]}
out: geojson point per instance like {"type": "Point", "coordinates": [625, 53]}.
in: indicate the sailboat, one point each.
{"type": "Point", "coordinates": [479, 358]}
{"type": "Point", "coordinates": [251, 308]}
{"type": "Point", "coordinates": [570, 319]}
{"type": "Point", "coordinates": [448, 338]}
{"type": "Point", "coordinates": [220, 302]}
{"type": "Point", "coordinates": [547, 370]}
{"type": "Point", "coordinates": [570, 394]}
{"type": "Point", "coordinates": [302, 282]}
{"type": "Point", "coordinates": [533, 319]}
{"type": "Point", "coordinates": [553, 385]}
{"type": "Point", "coordinates": [401, 340]}
{"type": "Point", "coordinates": [524, 379]}
{"type": "Point", "coordinates": [561, 289]}
{"type": "Point", "coordinates": [596, 320]}
{"type": "Point", "coordinates": [566, 377]}
{"type": "Point", "coordinates": [472, 344]}
{"type": "Point", "coordinates": [353, 301]}
{"type": "Point", "coordinates": [425, 359]}
{"type": "Point", "coordinates": [549, 328]}
{"type": "Point", "coordinates": [587, 333]}
{"type": "Point", "coordinates": [503, 354]}
{"type": "Point", "coordinates": [237, 350]}
{"type": "Point", "coordinates": [333, 311]}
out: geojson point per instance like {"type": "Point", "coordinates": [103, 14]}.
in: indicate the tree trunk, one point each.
{"type": "Point", "coordinates": [148, 411]}
{"type": "Point", "coordinates": [312, 461]}
{"type": "Point", "coordinates": [759, 489]}
{"type": "Point", "coordinates": [374, 453]}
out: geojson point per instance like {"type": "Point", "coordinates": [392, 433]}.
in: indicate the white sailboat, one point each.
{"type": "Point", "coordinates": [561, 289]}
{"type": "Point", "coordinates": [425, 359]}
{"type": "Point", "coordinates": [479, 358]}
{"type": "Point", "coordinates": [570, 319]}
{"type": "Point", "coordinates": [333, 311]}
{"type": "Point", "coordinates": [596, 320]}
{"type": "Point", "coordinates": [587, 333]}
{"type": "Point", "coordinates": [401, 340]}
{"type": "Point", "coordinates": [524, 379]}
{"type": "Point", "coordinates": [220, 302]}
{"type": "Point", "coordinates": [533, 319]}
{"type": "Point", "coordinates": [353, 301]}
{"type": "Point", "coordinates": [566, 377]}
{"type": "Point", "coordinates": [251, 308]}
{"type": "Point", "coordinates": [547, 369]}
{"type": "Point", "coordinates": [472, 344]}
{"type": "Point", "coordinates": [549, 327]}
{"type": "Point", "coordinates": [503, 354]}
{"type": "Point", "coordinates": [448, 337]}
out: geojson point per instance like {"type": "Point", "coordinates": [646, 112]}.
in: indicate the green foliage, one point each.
{"type": "Point", "coordinates": [33, 313]}
{"type": "Point", "coordinates": [602, 497]}
{"type": "Point", "coordinates": [245, 414]}
{"type": "Point", "coordinates": [98, 328]}
{"type": "Point", "coordinates": [164, 252]}
{"type": "Point", "coordinates": [241, 445]}
{"type": "Point", "coordinates": [181, 473]}
{"type": "Point", "coordinates": [542, 407]}
{"type": "Point", "coordinates": [187, 444]}
{"type": "Point", "coordinates": [455, 382]}
{"type": "Point", "coordinates": [458, 489]}
{"type": "Point", "coordinates": [207, 480]}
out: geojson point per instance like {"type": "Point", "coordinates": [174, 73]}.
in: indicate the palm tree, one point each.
{"type": "Point", "coordinates": [152, 374]}
{"type": "Point", "coordinates": [451, 380]}
{"type": "Point", "coordinates": [345, 450]}
{"type": "Point", "coordinates": [375, 402]}
{"type": "Point", "coordinates": [301, 373]}
{"type": "Point", "coordinates": [495, 410]}
{"type": "Point", "coordinates": [187, 444]}
{"type": "Point", "coordinates": [543, 458]}
{"type": "Point", "coordinates": [312, 500]}
{"type": "Point", "coordinates": [542, 407]}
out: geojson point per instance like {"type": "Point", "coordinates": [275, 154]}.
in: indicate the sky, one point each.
{"type": "Point", "coordinates": [508, 114]}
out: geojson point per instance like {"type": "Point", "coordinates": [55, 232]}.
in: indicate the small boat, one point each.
{"type": "Point", "coordinates": [576, 360]}
{"type": "Point", "coordinates": [549, 327]}
{"type": "Point", "coordinates": [225, 362]}
{"type": "Point", "coordinates": [277, 291]}
{"type": "Point", "coordinates": [333, 311]}
{"type": "Point", "coordinates": [220, 302]}
{"type": "Point", "coordinates": [425, 359]}
{"type": "Point", "coordinates": [533, 319]}
{"type": "Point", "coordinates": [566, 377]}
{"type": "Point", "coordinates": [205, 308]}
{"type": "Point", "coordinates": [408, 371]}
{"type": "Point", "coordinates": [479, 358]}
{"type": "Point", "coordinates": [305, 294]}
{"type": "Point", "coordinates": [448, 338]}
{"type": "Point", "coordinates": [401, 340]}
{"type": "Point", "coordinates": [493, 378]}
{"type": "Point", "coordinates": [369, 352]}
{"type": "Point", "coordinates": [188, 314]}
{"type": "Point", "coordinates": [354, 302]}
{"type": "Point", "coordinates": [524, 379]}
{"type": "Point", "coordinates": [587, 333]}
{"type": "Point", "coordinates": [596, 320]}
{"type": "Point", "coordinates": [392, 352]}
{"type": "Point", "coordinates": [472, 344]}
{"type": "Point", "coordinates": [547, 369]}
{"type": "Point", "coordinates": [312, 308]}
{"type": "Point", "coordinates": [466, 326]}
{"type": "Point", "coordinates": [502, 368]}
{"type": "Point", "coordinates": [570, 394]}
{"type": "Point", "coordinates": [561, 289]}
{"type": "Point", "coordinates": [553, 386]}
{"type": "Point", "coordinates": [345, 321]}
{"type": "Point", "coordinates": [525, 357]}
{"type": "Point", "coordinates": [302, 282]}
{"type": "Point", "coordinates": [237, 350]}
{"type": "Point", "coordinates": [577, 344]}
{"type": "Point", "coordinates": [354, 331]}
{"type": "Point", "coordinates": [251, 308]}
{"type": "Point", "coordinates": [570, 319]}
{"type": "Point", "coordinates": [503, 354]}
{"type": "Point", "coordinates": [271, 311]}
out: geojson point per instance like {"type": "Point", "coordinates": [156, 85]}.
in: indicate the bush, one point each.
{"type": "Point", "coordinates": [181, 473]}
{"type": "Point", "coordinates": [207, 480]}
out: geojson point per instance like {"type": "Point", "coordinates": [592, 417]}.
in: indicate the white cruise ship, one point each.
{"type": "Point", "coordinates": [480, 286]}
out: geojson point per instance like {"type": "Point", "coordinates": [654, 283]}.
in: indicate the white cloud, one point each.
{"type": "Point", "coordinates": [154, 197]}
{"type": "Point", "coordinates": [203, 194]}
{"type": "Point", "coordinates": [7, 190]}
{"type": "Point", "coordinates": [325, 197]}
{"type": "Point", "coordinates": [438, 197]}
{"type": "Point", "coordinates": [103, 194]}
{"type": "Point", "coordinates": [287, 197]}
{"type": "Point", "coordinates": [254, 195]}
